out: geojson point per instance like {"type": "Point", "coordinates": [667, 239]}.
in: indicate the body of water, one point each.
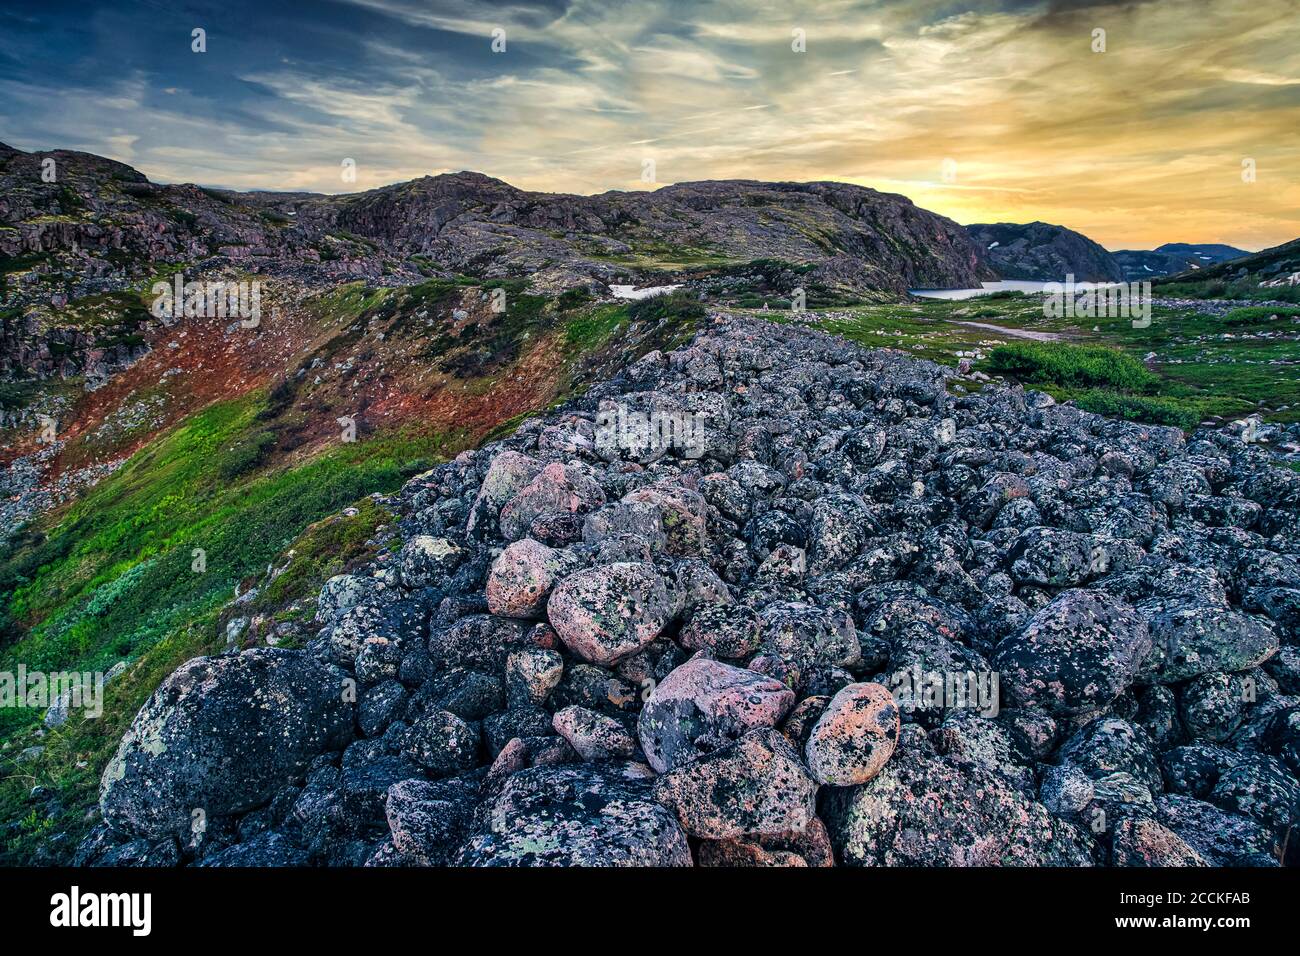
{"type": "Point", "coordinates": [1004, 285]}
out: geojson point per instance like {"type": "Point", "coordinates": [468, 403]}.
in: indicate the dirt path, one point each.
{"type": "Point", "coordinates": [1014, 333]}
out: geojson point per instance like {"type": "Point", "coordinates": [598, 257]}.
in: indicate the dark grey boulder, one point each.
{"type": "Point", "coordinates": [578, 816]}
{"type": "Point", "coordinates": [926, 809]}
{"type": "Point", "coordinates": [1076, 655]}
{"type": "Point", "coordinates": [1194, 638]}
{"type": "Point", "coordinates": [221, 735]}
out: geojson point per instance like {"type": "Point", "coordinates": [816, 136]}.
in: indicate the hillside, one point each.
{"type": "Point", "coordinates": [1271, 274]}
{"type": "Point", "coordinates": [1173, 257]}
{"type": "Point", "coordinates": [1042, 251]}
{"type": "Point", "coordinates": [574, 649]}
{"type": "Point", "coordinates": [103, 225]}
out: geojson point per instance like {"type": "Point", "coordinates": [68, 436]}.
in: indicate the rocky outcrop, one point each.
{"type": "Point", "coordinates": [1040, 250]}
{"type": "Point", "coordinates": [1252, 275]}
{"type": "Point", "coordinates": [828, 639]}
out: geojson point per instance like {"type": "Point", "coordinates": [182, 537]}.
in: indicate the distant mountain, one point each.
{"type": "Point", "coordinates": [1174, 257]}
{"type": "Point", "coordinates": [1042, 251]}
{"type": "Point", "coordinates": [1271, 274]}
{"type": "Point", "coordinates": [102, 224]}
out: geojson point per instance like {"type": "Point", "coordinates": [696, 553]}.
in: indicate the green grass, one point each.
{"type": "Point", "coordinates": [593, 327]}
{"type": "Point", "coordinates": [1248, 288]}
{"type": "Point", "coordinates": [114, 575]}
{"type": "Point", "coordinates": [115, 579]}
{"type": "Point", "coordinates": [324, 549]}
{"type": "Point", "coordinates": [1078, 366]}
{"type": "Point", "coordinates": [1140, 408]}
{"type": "Point", "coordinates": [111, 577]}
{"type": "Point", "coordinates": [671, 306]}
{"type": "Point", "coordinates": [75, 755]}
{"type": "Point", "coordinates": [1260, 314]}
{"type": "Point", "coordinates": [1206, 366]}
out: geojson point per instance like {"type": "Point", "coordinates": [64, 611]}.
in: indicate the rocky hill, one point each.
{"type": "Point", "coordinates": [100, 226]}
{"type": "Point", "coordinates": [767, 599]}
{"type": "Point", "coordinates": [1271, 274]}
{"type": "Point", "coordinates": [1042, 251]}
{"type": "Point", "coordinates": [1173, 257]}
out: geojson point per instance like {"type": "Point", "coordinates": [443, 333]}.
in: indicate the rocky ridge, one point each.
{"type": "Point", "coordinates": [101, 226]}
{"type": "Point", "coordinates": [859, 621]}
{"type": "Point", "coordinates": [1042, 251]}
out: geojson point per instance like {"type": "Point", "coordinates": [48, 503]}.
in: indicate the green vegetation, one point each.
{"type": "Point", "coordinates": [324, 549]}
{"type": "Point", "coordinates": [1098, 378]}
{"type": "Point", "coordinates": [1140, 408]}
{"type": "Point", "coordinates": [1239, 278]}
{"type": "Point", "coordinates": [74, 756]}
{"type": "Point", "coordinates": [140, 567]}
{"type": "Point", "coordinates": [573, 298]}
{"type": "Point", "coordinates": [1230, 289]}
{"type": "Point", "coordinates": [1060, 363]}
{"type": "Point", "coordinates": [587, 331]}
{"type": "Point", "coordinates": [671, 306]}
{"type": "Point", "coordinates": [1203, 366]}
{"type": "Point", "coordinates": [116, 574]}
{"type": "Point", "coordinates": [1255, 314]}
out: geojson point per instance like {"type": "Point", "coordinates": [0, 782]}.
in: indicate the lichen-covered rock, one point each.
{"type": "Point", "coordinates": [522, 577]}
{"type": "Point", "coordinates": [266, 849]}
{"type": "Point", "coordinates": [809, 847]}
{"type": "Point", "coordinates": [1191, 639]}
{"type": "Point", "coordinates": [343, 592]}
{"type": "Point", "coordinates": [427, 821]}
{"type": "Point", "coordinates": [607, 612]}
{"type": "Point", "coordinates": [923, 809]}
{"type": "Point", "coordinates": [509, 473]}
{"type": "Point", "coordinates": [442, 743]}
{"type": "Point", "coordinates": [799, 638]}
{"type": "Point", "coordinates": [532, 673]}
{"type": "Point", "coordinates": [1221, 838]}
{"type": "Point", "coordinates": [428, 561]}
{"type": "Point", "coordinates": [684, 514]}
{"type": "Point", "coordinates": [755, 785]}
{"type": "Point", "coordinates": [1259, 786]}
{"type": "Point", "coordinates": [1141, 841]}
{"type": "Point", "coordinates": [221, 735]}
{"type": "Point", "coordinates": [854, 736]}
{"type": "Point", "coordinates": [567, 489]}
{"type": "Point", "coordinates": [1084, 628]}
{"type": "Point", "coordinates": [1076, 655]}
{"type": "Point", "coordinates": [727, 630]}
{"type": "Point", "coordinates": [477, 641]}
{"type": "Point", "coordinates": [703, 705]}
{"type": "Point", "coordinates": [1213, 706]}
{"type": "Point", "coordinates": [1060, 558]}
{"type": "Point", "coordinates": [594, 736]}
{"type": "Point", "coordinates": [578, 816]}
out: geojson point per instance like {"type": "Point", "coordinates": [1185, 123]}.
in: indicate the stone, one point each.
{"type": "Point", "coordinates": [854, 736]}
{"type": "Point", "coordinates": [605, 613]}
{"type": "Point", "coordinates": [703, 705]}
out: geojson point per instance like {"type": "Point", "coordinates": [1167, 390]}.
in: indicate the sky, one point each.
{"type": "Point", "coordinates": [1179, 123]}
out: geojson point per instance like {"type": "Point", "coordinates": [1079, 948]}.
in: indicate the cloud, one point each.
{"type": "Point", "coordinates": [1135, 146]}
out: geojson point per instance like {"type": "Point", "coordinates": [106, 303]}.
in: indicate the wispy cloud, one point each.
{"type": "Point", "coordinates": [1137, 145]}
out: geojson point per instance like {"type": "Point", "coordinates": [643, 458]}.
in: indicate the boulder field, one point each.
{"type": "Point", "coordinates": [859, 621]}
